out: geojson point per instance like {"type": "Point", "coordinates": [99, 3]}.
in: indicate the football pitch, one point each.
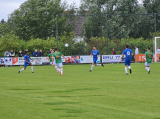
{"type": "Point", "coordinates": [104, 93]}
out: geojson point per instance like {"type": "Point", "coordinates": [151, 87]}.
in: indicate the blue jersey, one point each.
{"type": "Point", "coordinates": [127, 53]}
{"type": "Point", "coordinates": [95, 53]}
{"type": "Point", "coordinates": [26, 57]}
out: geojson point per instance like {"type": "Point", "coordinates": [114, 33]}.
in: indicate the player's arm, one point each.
{"type": "Point", "coordinates": [31, 59]}
{"type": "Point", "coordinates": [152, 59]}
{"type": "Point", "coordinates": [27, 62]}
{"type": "Point", "coordinates": [63, 56]}
{"type": "Point", "coordinates": [52, 59]}
{"type": "Point", "coordinates": [123, 54]}
{"type": "Point", "coordinates": [48, 58]}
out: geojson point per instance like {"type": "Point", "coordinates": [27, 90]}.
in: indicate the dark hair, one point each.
{"type": "Point", "coordinates": [149, 48]}
{"type": "Point", "coordinates": [55, 49]}
{"type": "Point", "coordinates": [95, 46]}
{"type": "Point", "coordinates": [26, 52]}
{"type": "Point", "coordinates": [127, 45]}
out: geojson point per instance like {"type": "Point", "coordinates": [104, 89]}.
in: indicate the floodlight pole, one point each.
{"type": "Point", "coordinates": [57, 29]}
{"type": "Point", "coordinates": [107, 32]}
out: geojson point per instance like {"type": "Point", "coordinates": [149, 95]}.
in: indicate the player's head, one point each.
{"type": "Point", "coordinates": [26, 49]}
{"type": "Point", "coordinates": [94, 48]}
{"type": "Point", "coordinates": [52, 51]}
{"type": "Point", "coordinates": [127, 46]}
{"type": "Point", "coordinates": [55, 49]}
{"type": "Point", "coordinates": [26, 52]}
{"type": "Point", "coordinates": [35, 50]}
{"type": "Point", "coordinates": [148, 48]}
{"type": "Point", "coordinates": [135, 47]}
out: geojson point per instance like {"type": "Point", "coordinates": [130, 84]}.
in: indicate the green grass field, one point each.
{"type": "Point", "coordinates": [104, 93]}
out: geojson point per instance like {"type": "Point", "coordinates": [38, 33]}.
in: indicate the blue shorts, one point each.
{"type": "Point", "coordinates": [26, 64]}
{"type": "Point", "coordinates": [95, 60]}
{"type": "Point", "coordinates": [127, 62]}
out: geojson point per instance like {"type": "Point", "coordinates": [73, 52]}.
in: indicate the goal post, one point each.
{"type": "Point", "coordinates": [156, 48]}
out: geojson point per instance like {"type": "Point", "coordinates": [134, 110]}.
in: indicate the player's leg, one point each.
{"type": "Point", "coordinates": [129, 66]}
{"type": "Point", "coordinates": [61, 68]}
{"type": "Point", "coordinates": [57, 69]}
{"type": "Point", "coordinates": [92, 66]}
{"type": "Point", "coordinates": [147, 67]}
{"type": "Point", "coordinates": [31, 68]}
{"type": "Point", "coordinates": [98, 64]}
{"type": "Point", "coordinates": [125, 63]}
{"type": "Point", "coordinates": [22, 68]}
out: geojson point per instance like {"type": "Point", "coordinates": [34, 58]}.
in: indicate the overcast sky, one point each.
{"type": "Point", "coordinates": [8, 6]}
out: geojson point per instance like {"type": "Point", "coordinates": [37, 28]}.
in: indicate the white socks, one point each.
{"type": "Point", "coordinates": [21, 69]}
{"type": "Point", "coordinates": [147, 68]}
{"type": "Point", "coordinates": [61, 71]}
{"type": "Point", "coordinates": [129, 67]}
{"type": "Point", "coordinates": [99, 64]}
{"type": "Point", "coordinates": [126, 70]}
{"type": "Point", "coordinates": [32, 68]}
{"type": "Point", "coordinates": [92, 67]}
{"type": "Point", "coordinates": [55, 67]}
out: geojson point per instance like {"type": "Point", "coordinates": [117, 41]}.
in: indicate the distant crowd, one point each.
{"type": "Point", "coordinates": [20, 54]}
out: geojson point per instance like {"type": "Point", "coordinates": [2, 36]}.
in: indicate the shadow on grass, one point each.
{"type": "Point", "coordinates": [60, 103]}
{"type": "Point", "coordinates": [73, 90]}
{"type": "Point", "coordinates": [23, 89]}
{"type": "Point", "coordinates": [69, 110]}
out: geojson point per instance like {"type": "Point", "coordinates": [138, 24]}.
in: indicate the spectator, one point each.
{"type": "Point", "coordinates": [49, 51]}
{"type": "Point", "coordinates": [36, 54]}
{"type": "Point", "coordinates": [113, 52]}
{"type": "Point", "coordinates": [20, 54]}
{"type": "Point", "coordinates": [12, 54]}
{"type": "Point", "coordinates": [136, 50]}
{"type": "Point", "coordinates": [6, 54]}
{"type": "Point", "coordinates": [2, 63]}
{"type": "Point", "coordinates": [41, 54]}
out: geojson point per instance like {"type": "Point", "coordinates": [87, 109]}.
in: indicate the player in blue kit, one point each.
{"type": "Point", "coordinates": [127, 53]}
{"type": "Point", "coordinates": [27, 62]}
{"type": "Point", "coordinates": [95, 54]}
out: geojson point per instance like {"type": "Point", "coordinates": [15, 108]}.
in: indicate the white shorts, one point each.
{"type": "Point", "coordinates": [59, 64]}
{"type": "Point", "coordinates": [53, 63]}
{"type": "Point", "coordinates": [147, 64]}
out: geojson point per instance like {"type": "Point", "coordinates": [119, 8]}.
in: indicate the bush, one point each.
{"type": "Point", "coordinates": [11, 41]}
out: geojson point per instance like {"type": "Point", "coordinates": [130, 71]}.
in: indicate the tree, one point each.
{"type": "Point", "coordinates": [37, 18]}
{"type": "Point", "coordinates": [119, 26]}
{"type": "Point", "coordinates": [2, 21]}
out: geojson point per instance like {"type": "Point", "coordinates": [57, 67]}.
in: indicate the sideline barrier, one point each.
{"type": "Point", "coordinates": [141, 57]}
{"type": "Point", "coordinates": [112, 58]}
{"type": "Point", "coordinates": [43, 60]}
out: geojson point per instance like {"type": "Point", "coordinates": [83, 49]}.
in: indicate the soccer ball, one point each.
{"type": "Point", "coordinates": [66, 45]}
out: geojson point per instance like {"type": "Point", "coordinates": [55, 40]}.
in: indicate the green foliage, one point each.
{"type": "Point", "coordinates": [37, 18]}
{"type": "Point", "coordinates": [11, 41]}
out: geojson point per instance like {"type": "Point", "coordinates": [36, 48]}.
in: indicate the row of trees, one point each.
{"type": "Point", "coordinates": [33, 25]}
{"type": "Point", "coordinates": [121, 26]}
{"type": "Point", "coordinates": [37, 19]}
{"type": "Point", "coordinates": [10, 41]}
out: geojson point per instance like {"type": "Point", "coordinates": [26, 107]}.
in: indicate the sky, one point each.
{"type": "Point", "coordinates": [8, 6]}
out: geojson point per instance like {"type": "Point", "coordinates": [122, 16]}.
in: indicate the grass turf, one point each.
{"type": "Point", "coordinates": [104, 93]}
